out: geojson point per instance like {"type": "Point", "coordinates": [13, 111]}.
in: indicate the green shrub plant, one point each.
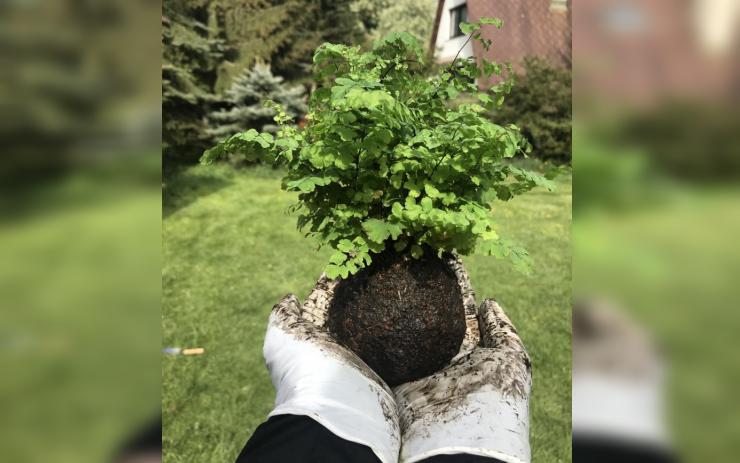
{"type": "Point", "coordinates": [387, 159]}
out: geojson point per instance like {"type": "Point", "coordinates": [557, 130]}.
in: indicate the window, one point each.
{"type": "Point", "coordinates": [558, 5]}
{"type": "Point", "coordinates": [458, 15]}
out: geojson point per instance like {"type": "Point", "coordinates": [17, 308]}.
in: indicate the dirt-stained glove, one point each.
{"type": "Point", "coordinates": [316, 377]}
{"type": "Point", "coordinates": [477, 405]}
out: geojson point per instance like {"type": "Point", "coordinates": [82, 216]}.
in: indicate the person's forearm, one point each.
{"type": "Point", "coordinates": [299, 439]}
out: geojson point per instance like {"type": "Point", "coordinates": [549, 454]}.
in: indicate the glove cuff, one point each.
{"type": "Point", "coordinates": [326, 387]}
{"type": "Point", "coordinates": [486, 423]}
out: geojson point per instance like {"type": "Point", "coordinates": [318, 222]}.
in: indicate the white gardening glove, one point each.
{"type": "Point", "coordinates": [477, 405]}
{"type": "Point", "coordinates": [316, 377]}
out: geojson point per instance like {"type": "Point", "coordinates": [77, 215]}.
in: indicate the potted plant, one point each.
{"type": "Point", "coordinates": [394, 171]}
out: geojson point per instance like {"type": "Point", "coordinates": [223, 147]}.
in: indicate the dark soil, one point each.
{"type": "Point", "coordinates": [404, 317]}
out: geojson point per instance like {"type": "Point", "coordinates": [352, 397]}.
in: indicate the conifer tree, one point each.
{"type": "Point", "coordinates": [255, 29]}
{"type": "Point", "coordinates": [282, 32]}
{"type": "Point", "coordinates": [245, 103]}
{"type": "Point", "coordinates": [191, 56]}
{"type": "Point", "coordinates": [318, 21]}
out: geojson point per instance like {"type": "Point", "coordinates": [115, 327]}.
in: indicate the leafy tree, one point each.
{"type": "Point", "coordinates": [246, 98]}
{"type": "Point", "coordinates": [191, 56]}
{"type": "Point", "coordinates": [386, 161]}
{"type": "Point", "coordinates": [542, 108]}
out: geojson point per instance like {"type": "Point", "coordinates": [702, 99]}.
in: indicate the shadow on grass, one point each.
{"type": "Point", "coordinates": [184, 186]}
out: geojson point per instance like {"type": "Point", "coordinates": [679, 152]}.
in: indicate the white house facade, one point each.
{"type": "Point", "coordinates": [449, 38]}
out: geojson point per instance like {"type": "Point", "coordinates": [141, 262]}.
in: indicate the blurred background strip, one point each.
{"type": "Point", "coordinates": [657, 215]}
{"type": "Point", "coordinates": [80, 210]}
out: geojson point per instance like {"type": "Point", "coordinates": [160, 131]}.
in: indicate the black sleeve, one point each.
{"type": "Point", "coordinates": [299, 439]}
{"type": "Point", "coordinates": [460, 458]}
{"type": "Point", "coordinates": [596, 450]}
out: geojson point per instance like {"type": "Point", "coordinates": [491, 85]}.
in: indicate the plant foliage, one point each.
{"type": "Point", "coordinates": [386, 160]}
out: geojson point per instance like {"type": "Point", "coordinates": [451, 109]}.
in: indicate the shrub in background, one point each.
{"type": "Point", "coordinates": [541, 108]}
{"type": "Point", "coordinates": [245, 103]}
{"type": "Point", "coordinates": [384, 160]}
{"type": "Point", "coordinates": [688, 140]}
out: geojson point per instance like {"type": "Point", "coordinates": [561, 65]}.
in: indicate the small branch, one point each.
{"type": "Point", "coordinates": [460, 50]}
{"type": "Point", "coordinates": [389, 69]}
{"type": "Point", "coordinates": [434, 170]}
{"type": "Point", "coordinates": [357, 160]}
{"type": "Point", "coordinates": [357, 167]}
{"type": "Point", "coordinates": [436, 92]}
{"type": "Point", "coordinates": [393, 66]}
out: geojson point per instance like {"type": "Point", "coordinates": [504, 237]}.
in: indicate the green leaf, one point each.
{"type": "Point", "coordinates": [332, 271]}
{"type": "Point", "coordinates": [358, 98]}
{"type": "Point", "coordinates": [416, 251]}
{"type": "Point", "coordinates": [467, 28]}
{"type": "Point", "coordinates": [485, 98]}
{"type": "Point", "coordinates": [346, 133]}
{"type": "Point", "coordinates": [426, 204]}
{"type": "Point", "coordinates": [504, 248]}
{"type": "Point", "coordinates": [338, 258]}
{"type": "Point", "coordinates": [491, 68]}
{"type": "Point", "coordinates": [308, 184]}
{"type": "Point", "coordinates": [479, 228]}
{"type": "Point", "coordinates": [431, 190]}
{"type": "Point", "coordinates": [378, 231]}
{"type": "Point", "coordinates": [492, 21]}
{"type": "Point", "coordinates": [345, 245]}
{"type": "Point", "coordinates": [397, 210]}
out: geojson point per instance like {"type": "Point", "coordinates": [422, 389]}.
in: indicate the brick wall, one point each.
{"type": "Point", "coordinates": [531, 28]}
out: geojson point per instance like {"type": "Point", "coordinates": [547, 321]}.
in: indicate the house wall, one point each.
{"type": "Point", "coordinates": [445, 47]}
{"type": "Point", "coordinates": [531, 28]}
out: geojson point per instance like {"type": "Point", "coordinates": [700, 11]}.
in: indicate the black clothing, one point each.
{"type": "Point", "coordinates": [299, 439]}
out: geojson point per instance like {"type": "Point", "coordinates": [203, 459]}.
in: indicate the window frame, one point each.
{"type": "Point", "coordinates": [456, 18]}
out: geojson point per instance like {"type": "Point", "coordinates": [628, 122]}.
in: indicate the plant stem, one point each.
{"type": "Point", "coordinates": [445, 153]}
{"type": "Point", "coordinates": [459, 51]}
{"type": "Point", "coordinates": [436, 92]}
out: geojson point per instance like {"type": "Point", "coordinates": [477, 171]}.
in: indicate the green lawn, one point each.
{"type": "Point", "coordinates": [231, 251]}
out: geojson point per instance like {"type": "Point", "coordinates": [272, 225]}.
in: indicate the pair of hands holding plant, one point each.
{"type": "Point", "coordinates": [476, 405]}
